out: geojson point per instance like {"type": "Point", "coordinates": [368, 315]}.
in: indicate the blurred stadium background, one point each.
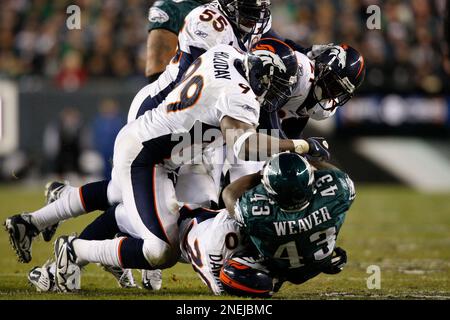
{"type": "Point", "coordinates": [64, 95]}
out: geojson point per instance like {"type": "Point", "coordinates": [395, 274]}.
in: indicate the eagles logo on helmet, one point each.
{"type": "Point", "coordinates": [289, 180]}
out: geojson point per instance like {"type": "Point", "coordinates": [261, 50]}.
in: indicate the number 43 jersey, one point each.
{"type": "Point", "coordinates": [297, 239]}
{"type": "Point", "coordinates": [213, 87]}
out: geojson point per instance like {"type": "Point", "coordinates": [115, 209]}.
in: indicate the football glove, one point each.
{"type": "Point", "coordinates": [318, 148]}
{"type": "Point", "coordinates": [338, 261]}
{"type": "Point", "coordinates": [318, 49]}
{"type": "Point", "coordinates": [278, 283]}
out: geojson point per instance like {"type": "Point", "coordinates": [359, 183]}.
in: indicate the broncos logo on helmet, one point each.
{"type": "Point", "coordinates": [245, 278]}
{"type": "Point", "coordinates": [340, 54]}
{"type": "Point", "coordinates": [340, 71]}
{"type": "Point", "coordinates": [272, 70]}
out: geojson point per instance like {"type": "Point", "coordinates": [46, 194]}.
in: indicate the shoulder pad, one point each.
{"type": "Point", "coordinates": [204, 28]}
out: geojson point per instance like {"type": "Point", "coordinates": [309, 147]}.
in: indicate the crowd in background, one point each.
{"type": "Point", "coordinates": [404, 56]}
{"type": "Point", "coordinates": [34, 40]}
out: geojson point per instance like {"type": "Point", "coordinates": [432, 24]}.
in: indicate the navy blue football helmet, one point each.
{"type": "Point", "coordinates": [339, 71]}
{"type": "Point", "coordinates": [272, 71]}
{"type": "Point", "coordinates": [249, 16]}
{"type": "Point", "coordinates": [244, 278]}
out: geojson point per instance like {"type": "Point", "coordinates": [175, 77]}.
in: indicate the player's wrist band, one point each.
{"type": "Point", "coordinates": [301, 146]}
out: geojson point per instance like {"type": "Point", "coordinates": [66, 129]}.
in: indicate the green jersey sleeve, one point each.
{"type": "Point", "coordinates": [334, 189]}
{"type": "Point", "coordinates": [170, 14]}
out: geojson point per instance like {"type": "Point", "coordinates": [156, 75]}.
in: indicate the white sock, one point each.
{"type": "Point", "coordinates": [69, 205]}
{"type": "Point", "coordinates": [105, 252]}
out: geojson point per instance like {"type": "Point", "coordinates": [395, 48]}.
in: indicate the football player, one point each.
{"type": "Point", "coordinates": [235, 22]}
{"type": "Point", "coordinates": [213, 241]}
{"type": "Point", "coordinates": [205, 95]}
{"type": "Point", "coordinates": [292, 216]}
{"type": "Point", "coordinates": [328, 78]}
{"type": "Point", "coordinates": [208, 238]}
{"type": "Point", "coordinates": [95, 195]}
{"type": "Point", "coordinates": [166, 18]}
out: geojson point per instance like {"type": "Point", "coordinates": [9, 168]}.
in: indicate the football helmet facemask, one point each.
{"type": "Point", "coordinates": [272, 71]}
{"type": "Point", "coordinates": [249, 16]}
{"type": "Point", "coordinates": [340, 70]}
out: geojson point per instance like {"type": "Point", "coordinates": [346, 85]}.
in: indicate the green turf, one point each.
{"type": "Point", "coordinates": [405, 233]}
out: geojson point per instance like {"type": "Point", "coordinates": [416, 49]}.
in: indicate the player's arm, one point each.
{"type": "Point", "coordinates": [237, 188]}
{"type": "Point", "coordinates": [322, 165]}
{"type": "Point", "coordinates": [161, 46]}
{"type": "Point", "coordinates": [247, 144]}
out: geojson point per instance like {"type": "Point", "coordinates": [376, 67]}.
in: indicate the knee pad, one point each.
{"type": "Point", "coordinates": [159, 254]}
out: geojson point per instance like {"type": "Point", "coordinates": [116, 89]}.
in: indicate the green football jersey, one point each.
{"type": "Point", "coordinates": [302, 239]}
{"type": "Point", "coordinates": [170, 14]}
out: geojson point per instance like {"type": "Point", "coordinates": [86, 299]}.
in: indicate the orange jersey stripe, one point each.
{"type": "Point", "coordinates": [82, 199]}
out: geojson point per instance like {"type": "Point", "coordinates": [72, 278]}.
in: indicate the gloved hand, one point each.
{"type": "Point", "coordinates": [318, 148]}
{"type": "Point", "coordinates": [338, 261]}
{"type": "Point", "coordinates": [318, 49]}
{"type": "Point", "coordinates": [277, 284]}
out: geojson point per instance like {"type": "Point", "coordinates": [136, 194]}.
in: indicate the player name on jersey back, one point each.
{"type": "Point", "coordinates": [221, 66]}
{"type": "Point", "coordinates": [283, 228]}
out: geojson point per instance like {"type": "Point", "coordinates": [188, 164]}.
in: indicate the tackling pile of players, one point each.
{"type": "Point", "coordinates": [271, 214]}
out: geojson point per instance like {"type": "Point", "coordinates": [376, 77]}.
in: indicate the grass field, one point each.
{"type": "Point", "coordinates": [406, 234]}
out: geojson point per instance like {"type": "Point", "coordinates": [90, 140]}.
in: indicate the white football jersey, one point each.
{"type": "Point", "coordinates": [212, 88]}
{"type": "Point", "coordinates": [204, 27]}
{"type": "Point", "coordinates": [208, 243]}
{"type": "Point", "coordinates": [294, 106]}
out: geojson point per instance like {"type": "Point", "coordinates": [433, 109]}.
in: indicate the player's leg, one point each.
{"type": "Point", "coordinates": [123, 252]}
{"type": "Point", "coordinates": [148, 214]}
{"type": "Point", "coordinates": [103, 227]}
{"type": "Point", "coordinates": [150, 207]}
{"type": "Point", "coordinates": [71, 202]}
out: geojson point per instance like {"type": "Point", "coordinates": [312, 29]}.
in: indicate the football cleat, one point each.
{"type": "Point", "coordinates": [52, 193]}
{"type": "Point", "coordinates": [124, 277]}
{"type": "Point", "coordinates": [42, 278]}
{"type": "Point", "coordinates": [21, 233]}
{"type": "Point", "coordinates": [152, 279]}
{"type": "Point", "coordinates": [68, 273]}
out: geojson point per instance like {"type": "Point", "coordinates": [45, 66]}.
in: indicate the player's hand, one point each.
{"type": "Point", "coordinates": [318, 148]}
{"type": "Point", "coordinates": [278, 283]}
{"type": "Point", "coordinates": [318, 49]}
{"type": "Point", "coordinates": [338, 261]}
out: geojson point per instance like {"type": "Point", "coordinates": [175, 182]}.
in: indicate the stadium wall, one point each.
{"type": "Point", "coordinates": [376, 116]}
